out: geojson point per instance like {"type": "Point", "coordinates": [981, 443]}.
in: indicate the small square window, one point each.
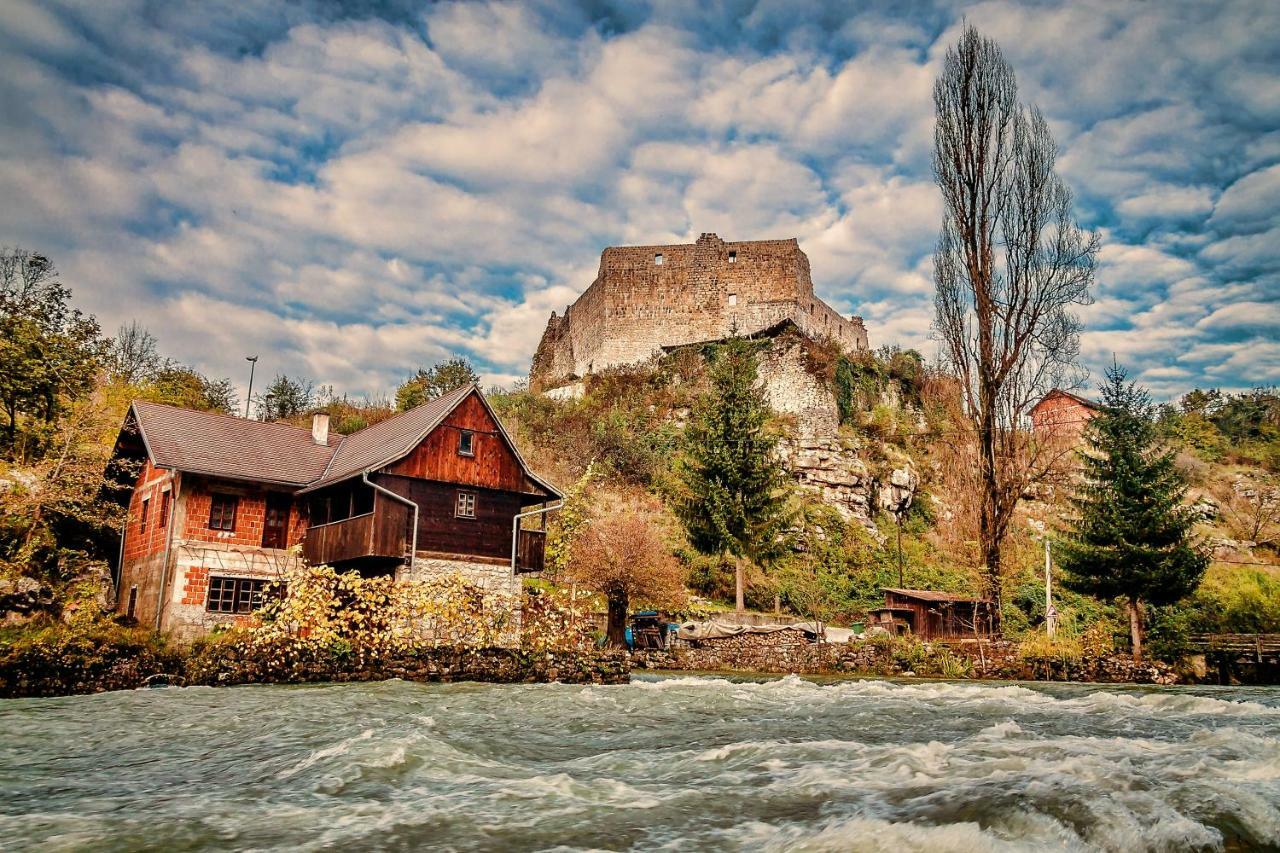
{"type": "Point", "coordinates": [222, 512]}
{"type": "Point", "coordinates": [733, 299]}
{"type": "Point", "coordinates": [467, 443]}
{"type": "Point", "coordinates": [657, 260]}
{"type": "Point", "coordinates": [466, 507]}
{"type": "Point", "coordinates": [733, 257]}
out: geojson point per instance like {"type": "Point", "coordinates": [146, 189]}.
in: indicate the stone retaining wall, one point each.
{"type": "Point", "coordinates": [789, 652]}
{"type": "Point", "coordinates": [66, 669]}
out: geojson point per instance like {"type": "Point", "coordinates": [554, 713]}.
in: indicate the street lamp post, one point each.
{"type": "Point", "coordinates": [253, 362]}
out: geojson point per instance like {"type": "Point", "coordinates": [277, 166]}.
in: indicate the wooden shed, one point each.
{"type": "Point", "coordinates": [933, 615]}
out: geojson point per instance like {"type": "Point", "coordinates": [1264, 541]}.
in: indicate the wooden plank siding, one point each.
{"type": "Point", "coordinates": [492, 464]}
{"type": "Point", "coordinates": [441, 531]}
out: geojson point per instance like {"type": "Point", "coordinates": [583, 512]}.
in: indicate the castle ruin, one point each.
{"type": "Point", "coordinates": [648, 298]}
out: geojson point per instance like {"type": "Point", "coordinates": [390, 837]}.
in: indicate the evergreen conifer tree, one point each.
{"type": "Point", "coordinates": [734, 500]}
{"type": "Point", "coordinates": [1132, 537]}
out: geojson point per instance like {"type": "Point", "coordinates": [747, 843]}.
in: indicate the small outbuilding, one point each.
{"type": "Point", "coordinates": [932, 615]}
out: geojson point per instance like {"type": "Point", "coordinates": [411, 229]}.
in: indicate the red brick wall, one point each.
{"type": "Point", "coordinates": [1059, 415]}
{"type": "Point", "coordinates": [149, 486]}
{"type": "Point", "coordinates": [195, 585]}
{"type": "Point", "coordinates": [250, 513]}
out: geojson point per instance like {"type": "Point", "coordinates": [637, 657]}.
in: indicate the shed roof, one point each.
{"type": "Point", "coordinates": [932, 595]}
{"type": "Point", "coordinates": [1058, 392]}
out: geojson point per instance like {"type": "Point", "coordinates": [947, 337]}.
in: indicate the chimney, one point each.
{"type": "Point", "coordinates": [320, 428]}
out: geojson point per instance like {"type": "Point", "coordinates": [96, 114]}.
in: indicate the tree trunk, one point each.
{"type": "Point", "coordinates": [739, 585]}
{"type": "Point", "coordinates": [616, 633]}
{"type": "Point", "coordinates": [1135, 627]}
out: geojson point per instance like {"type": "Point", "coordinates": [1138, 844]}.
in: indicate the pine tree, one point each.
{"type": "Point", "coordinates": [734, 497]}
{"type": "Point", "coordinates": [1132, 536]}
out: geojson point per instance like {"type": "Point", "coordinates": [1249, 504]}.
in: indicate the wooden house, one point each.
{"type": "Point", "coordinates": [220, 502]}
{"type": "Point", "coordinates": [932, 615]}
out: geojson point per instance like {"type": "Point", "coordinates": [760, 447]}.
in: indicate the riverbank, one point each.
{"type": "Point", "coordinates": [788, 652]}
{"type": "Point", "coordinates": [62, 663]}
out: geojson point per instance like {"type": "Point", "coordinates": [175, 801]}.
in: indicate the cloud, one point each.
{"type": "Point", "coordinates": [355, 193]}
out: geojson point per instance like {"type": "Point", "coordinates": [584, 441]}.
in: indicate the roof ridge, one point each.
{"type": "Point", "coordinates": [211, 414]}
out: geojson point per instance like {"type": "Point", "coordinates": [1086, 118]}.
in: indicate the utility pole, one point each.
{"type": "Point", "coordinates": [901, 583]}
{"type": "Point", "coordinates": [1050, 614]}
{"type": "Point", "coordinates": [253, 362]}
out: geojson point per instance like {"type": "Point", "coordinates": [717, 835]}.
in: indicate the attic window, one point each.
{"type": "Point", "coordinates": [466, 443]}
{"type": "Point", "coordinates": [733, 257]}
{"type": "Point", "coordinates": [733, 299]}
{"type": "Point", "coordinates": [657, 260]}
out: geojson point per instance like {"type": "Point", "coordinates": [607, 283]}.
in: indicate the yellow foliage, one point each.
{"type": "Point", "coordinates": [345, 610]}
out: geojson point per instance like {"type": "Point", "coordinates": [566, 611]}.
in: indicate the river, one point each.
{"type": "Point", "coordinates": [686, 763]}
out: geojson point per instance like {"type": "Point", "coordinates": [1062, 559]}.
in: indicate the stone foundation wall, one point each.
{"type": "Point", "coordinates": [496, 579]}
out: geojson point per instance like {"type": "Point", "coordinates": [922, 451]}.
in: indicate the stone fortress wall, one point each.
{"type": "Point", "coordinates": [645, 298]}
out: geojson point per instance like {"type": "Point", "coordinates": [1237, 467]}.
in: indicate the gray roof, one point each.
{"type": "Point", "coordinates": [227, 446]}
{"type": "Point", "coordinates": [240, 449]}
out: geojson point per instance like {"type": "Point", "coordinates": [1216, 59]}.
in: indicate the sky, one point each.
{"type": "Point", "coordinates": [352, 190]}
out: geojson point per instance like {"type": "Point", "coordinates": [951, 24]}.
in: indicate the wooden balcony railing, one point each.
{"type": "Point", "coordinates": [381, 533]}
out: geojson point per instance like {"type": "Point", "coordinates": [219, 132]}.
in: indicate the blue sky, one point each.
{"type": "Point", "coordinates": [352, 190]}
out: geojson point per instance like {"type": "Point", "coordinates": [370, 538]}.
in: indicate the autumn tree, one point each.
{"type": "Point", "coordinates": [733, 498]}
{"type": "Point", "coordinates": [623, 553]}
{"type": "Point", "coordinates": [183, 386]}
{"type": "Point", "coordinates": [1010, 264]}
{"type": "Point", "coordinates": [432, 382]}
{"type": "Point", "coordinates": [1132, 536]}
{"type": "Point", "coordinates": [49, 351]}
{"type": "Point", "coordinates": [285, 397]}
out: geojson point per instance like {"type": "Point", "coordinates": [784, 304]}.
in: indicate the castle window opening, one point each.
{"type": "Point", "coordinates": [657, 260]}
{"type": "Point", "coordinates": [733, 299]}
{"type": "Point", "coordinates": [733, 257]}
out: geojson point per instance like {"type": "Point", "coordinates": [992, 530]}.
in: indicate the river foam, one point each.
{"type": "Point", "coordinates": [664, 763]}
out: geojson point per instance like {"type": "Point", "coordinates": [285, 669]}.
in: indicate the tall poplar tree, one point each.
{"type": "Point", "coordinates": [734, 500]}
{"type": "Point", "coordinates": [1010, 265]}
{"type": "Point", "coordinates": [1132, 535]}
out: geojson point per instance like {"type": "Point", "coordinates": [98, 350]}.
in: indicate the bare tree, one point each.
{"type": "Point", "coordinates": [133, 356]}
{"type": "Point", "coordinates": [1009, 264]}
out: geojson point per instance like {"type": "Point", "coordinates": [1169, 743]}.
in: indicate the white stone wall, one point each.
{"type": "Point", "coordinates": [496, 579]}
{"type": "Point", "coordinates": [794, 391]}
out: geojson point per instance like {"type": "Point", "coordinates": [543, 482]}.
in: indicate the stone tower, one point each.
{"type": "Point", "coordinates": [645, 298]}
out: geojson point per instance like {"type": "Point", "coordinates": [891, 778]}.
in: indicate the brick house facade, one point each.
{"type": "Point", "coordinates": [1062, 416]}
{"type": "Point", "coordinates": [222, 506]}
